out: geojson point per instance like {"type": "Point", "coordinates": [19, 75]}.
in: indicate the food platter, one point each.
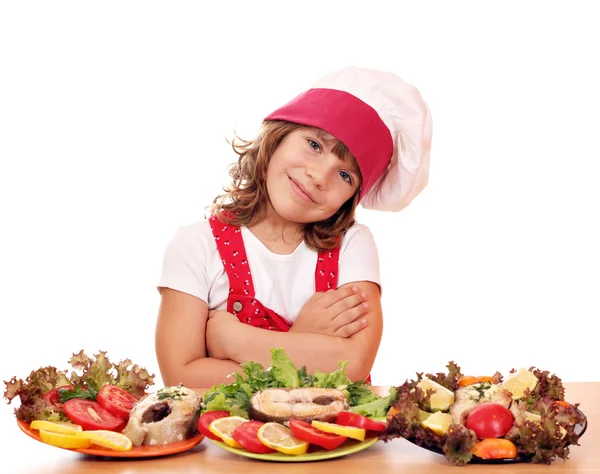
{"type": "Point", "coordinates": [136, 451]}
{"type": "Point", "coordinates": [579, 430]}
{"type": "Point", "coordinates": [313, 454]}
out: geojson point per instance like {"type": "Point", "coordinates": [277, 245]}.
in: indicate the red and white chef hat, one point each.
{"type": "Point", "coordinates": [382, 120]}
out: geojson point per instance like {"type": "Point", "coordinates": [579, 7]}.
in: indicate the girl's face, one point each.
{"type": "Point", "coordinates": [306, 181]}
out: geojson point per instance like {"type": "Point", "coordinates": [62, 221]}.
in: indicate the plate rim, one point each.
{"type": "Point", "coordinates": [281, 457]}
{"type": "Point", "coordinates": [164, 450]}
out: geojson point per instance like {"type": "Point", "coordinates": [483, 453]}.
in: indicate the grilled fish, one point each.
{"type": "Point", "coordinates": [283, 404]}
{"type": "Point", "coordinates": [165, 417]}
{"type": "Point", "coordinates": [467, 398]}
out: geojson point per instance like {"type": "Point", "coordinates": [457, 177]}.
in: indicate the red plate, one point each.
{"type": "Point", "coordinates": [136, 451]}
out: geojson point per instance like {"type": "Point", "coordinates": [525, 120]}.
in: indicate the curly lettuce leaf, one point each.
{"type": "Point", "coordinates": [458, 444]}
{"type": "Point", "coordinates": [132, 378]}
{"type": "Point", "coordinates": [31, 391]}
{"type": "Point", "coordinates": [335, 379]}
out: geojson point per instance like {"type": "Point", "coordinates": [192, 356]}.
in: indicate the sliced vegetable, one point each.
{"type": "Point", "coordinates": [246, 436]}
{"type": "Point", "coordinates": [439, 422]}
{"type": "Point", "coordinates": [348, 431]}
{"type": "Point", "coordinates": [304, 431]}
{"type": "Point", "coordinates": [116, 401]}
{"type": "Point", "coordinates": [346, 418]}
{"type": "Point", "coordinates": [495, 448]}
{"type": "Point", "coordinates": [207, 418]}
{"type": "Point", "coordinates": [53, 396]}
{"type": "Point", "coordinates": [91, 416]}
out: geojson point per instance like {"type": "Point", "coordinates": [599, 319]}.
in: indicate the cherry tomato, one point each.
{"type": "Point", "coordinates": [490, 420]}
{"type": "Point", "coordinates": [471, 379]}
{"type": "Point", "coordinates": [52, 397]}
{"type": "Point", "coordinates": [347, 418]}
{"type": "Point", "coordinates": [206, 419]}
{"type": "Point", "coordinates": [495, 448]}
{"type": "Point", "coordinates": [245, 434]}
{"type": "Point", "coordinates": [116, 401]}
{"type": "Point", "coordinates": [305, 432]}
{"type": "Point", "coordinates": [90, 415]}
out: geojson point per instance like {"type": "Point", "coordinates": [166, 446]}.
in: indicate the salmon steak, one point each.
{"type": "Point", "coordinates": [307, 404]}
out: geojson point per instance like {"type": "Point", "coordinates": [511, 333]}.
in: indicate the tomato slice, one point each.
{"type": "Point", "coordinates": [90, 415]}
{"type": "Point", "coordinates": [52, 397]}
{"type": "Point", "coordinates": [116, 401]}
{"type": "Point", "coordinates": [206, 419]}
{"type": "Point", "coordinates": [305, 432]}
{"type": "Point", "coordinates": [246, 435]}
{"type": "Point", "coordinates": [347, 418]}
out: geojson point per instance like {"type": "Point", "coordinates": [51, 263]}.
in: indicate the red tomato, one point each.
{"type": "Point", "coordinates": [245, 434]}
{"type": "Point", "coordinates": [305, 432]}
{"type": "Point", "coordinates": [206, 419]}
{"type": "Point", "coordinates": [90, 415]}
{"type": "Point", "coordinates": [116, 401]}
{"type": "Point", "coordinates": [52, 397]}
{"type": "Point", "coordinates": [347, 418]}
{"type": "Point", "coordinates": [489, 420]}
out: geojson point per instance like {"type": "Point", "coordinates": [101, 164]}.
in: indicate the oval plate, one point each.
{"type": "Point", "coordinates": [349, 447]}
{"type": "Point", "coordinates": [579, 430]}
{"type": "Point", "coordinates": [136, 451]}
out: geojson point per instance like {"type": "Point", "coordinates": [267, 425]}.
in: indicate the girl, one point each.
{"type": "Point", "coordinates": [281, 261]}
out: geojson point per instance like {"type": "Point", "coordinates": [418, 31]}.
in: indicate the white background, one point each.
{"type": "Point", "coordinates": [113, 120]}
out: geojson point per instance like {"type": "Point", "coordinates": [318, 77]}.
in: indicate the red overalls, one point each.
{"type": "Point", "coordinates": [242, 301]}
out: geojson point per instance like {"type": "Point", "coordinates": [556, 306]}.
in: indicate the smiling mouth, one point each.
{"type": "Point", "coordinates": [301, 192]}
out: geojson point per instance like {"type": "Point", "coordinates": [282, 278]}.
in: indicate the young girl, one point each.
{"type": "Point", "coordinates": [281, 261]}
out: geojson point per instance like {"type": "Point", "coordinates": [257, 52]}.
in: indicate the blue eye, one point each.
{"type": "Point", "coordinates": [314, 145]}
{"type": "Point", "coordinates": [346, 176]}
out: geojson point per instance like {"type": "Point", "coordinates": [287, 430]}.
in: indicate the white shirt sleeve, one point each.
{"type": "Point", "coordinates": [185, 262]}
{"type": "Point", "coordinates": [359, 260]}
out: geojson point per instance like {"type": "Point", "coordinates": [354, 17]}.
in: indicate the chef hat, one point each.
{"type": "Point", "coordinates": [382, 120]}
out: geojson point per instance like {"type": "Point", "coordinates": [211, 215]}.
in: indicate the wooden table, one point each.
{"type": "Point", "coordinates": [25, 455]}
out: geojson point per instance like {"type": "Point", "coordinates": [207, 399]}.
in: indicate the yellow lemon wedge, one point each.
{"type": "Point", "coordinates": [224, 428]}
{"type": "Point", "coordinates": [348, 431]}
{"type": "Point", "coordinates": [438, 422]}
{"type": "Point", "coordinates": [520, 381]}
{"type": "Point", "coordinates": [107, 439]}
{"type": "Point", "coordinates": [279, 438]}
{"type": "Point", "coordinates": [66, 441]}
{"type": "Point", "coordinates": [55, 426]}
{"type": "Point", "coordinates": [441, 399]}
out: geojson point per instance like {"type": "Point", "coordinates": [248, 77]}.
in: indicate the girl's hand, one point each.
{"type": "Point", "coordinates": [220, 324]}
{"type": "Point", "coordinates": [334, 313]}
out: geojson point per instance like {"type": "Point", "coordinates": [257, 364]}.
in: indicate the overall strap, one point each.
{"type": "Point", "coordinates": [233, 255]}
{"type": "Point", "coordinates": [326, 271]}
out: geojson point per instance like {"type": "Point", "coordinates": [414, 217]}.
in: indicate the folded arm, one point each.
{"type": "Point", "coordinates": [241, 342]}
{"type": "Point", "coordinates": [180, 342]}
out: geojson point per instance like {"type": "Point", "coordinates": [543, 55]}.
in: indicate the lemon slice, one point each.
{"type": "Point", "coordinates": [279, 438]}
{"type": "Point", "coordinates": [67, 441]}
{"type": "Point", "coordinates": [441, 399]}
{"type": "Point", "coordinates": [107, 439]}
{"type": "Point", "coordinates": [348, 431]}
{"type": "Point", "coordinates": [224, 428]}
{"type": "Point", "coordinates": [520, 381]}
{"type": "Point", "coordinates": [55, 426]}
{"type": "Point", "coordinates": [438, 422]}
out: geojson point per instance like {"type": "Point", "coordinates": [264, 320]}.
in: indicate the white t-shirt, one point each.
{"type": "Point", "coordinates": [283, 283]}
